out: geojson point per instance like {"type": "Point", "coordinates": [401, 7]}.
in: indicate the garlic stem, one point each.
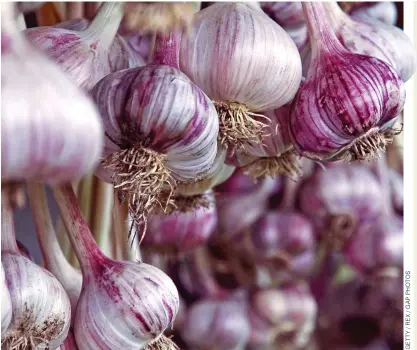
{"type": "Point", "coordinates": [54, 258]}
{"type": "Point", "coordinates": [80, 235]}
{"type": "Point", "coordinates": [105, 24]}
{"type": "Point", "coordinates": [120, 230]}
{"type": "Point", "coordinates": [290, 193]}
{"type": "Point", "coordinates": [321, 34]}
{"type": "Point", "coordinates": [166, 50]}
{"type": "Point", "coordinates": [8, 236]}
{"type": "Point", "coordinates": [335, 14]}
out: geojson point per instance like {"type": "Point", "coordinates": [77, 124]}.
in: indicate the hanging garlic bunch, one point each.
{"type": "Point", "coordinates": [83, 55]}
{"type": "Point", "coordinates": [161, 130]}
{"type": "Point", "coordinates": [184, 231]}
{"type": "Point", "coordinates": [53, 258]}
{"type": "Point", "coordinates": [60, 133]}
{"type": "Point", "coordinates": [275, 155]}
{"type": "Point", "coordinates": [349, 102]}
{"type": "Point", "coordinates": [6, 303]}
{"type": "Point", "coordinates": [368, 36]}
{"type": "Point", "coordinates": [217, 324]}
{"type": "Point", "coordinates": [120, 56]}
{"type": "Point", "coordinates": [259, 70]}
{"type": "Point", "coordinates": [41, 311]}
{"type": "Point", "coordinates": [337, 198]}
{"type": "Point", "coordinates": [123, 304]}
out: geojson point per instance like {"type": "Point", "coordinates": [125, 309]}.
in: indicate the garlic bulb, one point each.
{"type": "Point", "coordinates": [61, 132]}
{"type": "Point", "coordinates": [53, 258]}
{"type": "Point", "coordinates": [161, 129]}
{"type": "Point", "coordinates": [376, 244]}
{"type": "Point", "coordinates": [275, 155]}
{"type": "Point", "coordinates": [260, 48]}
{"type": "Point", "coordinates": [69, 342]}
{"type": "Point", "coordinates": [6, 304]}
{"type": "Point", "coordinates": [120, 56]}
{"type": "Point", "coordinates": [217, 324]}
{"type": "Point", "coordinates": [41, 311]}
{"type": "Point", "coordinates": [349, 102]}
{"type": "Point", "coordinates": [183, 231]}
{"type": "Point", "coordinates": [123, 304]}
{"type": "Point", "coordinates": [83, 55]}
{"type": "Point", "coordinates": [286, 14]}
{"type": "Point", "coordinates": [382, 11]}
{"type": "Point", "coordinates": [337, 198]}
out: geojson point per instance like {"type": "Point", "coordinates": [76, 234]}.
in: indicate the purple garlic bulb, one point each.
{"type": "Point", "coordinates": [220, 324]}
{"type": "Point", "coordinates": [376, 244]}
{"type": "Point", "coordinates": [337, 198]}
{"type": "Point", "coordinates": [182, 231]}
{"type": "Point", "coordinates": [349, 102]}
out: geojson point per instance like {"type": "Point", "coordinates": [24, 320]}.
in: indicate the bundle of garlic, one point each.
{"type": "Point", "coordinates": [258, 70]}
{"type": "Point", "coordinates": [41, 311]}
{"type": "Point", "coordinates": [161, 130]}
{"type": "Point", "coordinates": [60, 130]}
{"type": "Point", "coordinates": [84, 55]}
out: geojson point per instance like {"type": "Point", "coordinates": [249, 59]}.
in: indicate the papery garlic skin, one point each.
{"type": "Point", "coordinates": [82, 55]}
{"type": "Point", "coordinates": [41, 310]}
{"type": "Point", "coordinates": [159, 108]}
{"type": "Point", "coordinates": [6, 304]}
{"type": "Point", "coordinates": [183, 231]}
{"type": "Point", "coordinates": [59, 129]}
{"type": "Point", "coordinates": [142, 299]}
{"type": "Point", "coordinates": [259, 68]}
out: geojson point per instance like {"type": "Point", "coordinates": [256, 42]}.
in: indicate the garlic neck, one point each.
{"type": "Point", "coordinates": [166, 49]}
{"type": "Point", "coordinates": [105, 24]}
{"type": "Point", "coordinates": [8, 237]}
{"type": "Point", "coordinates": [335, 15]}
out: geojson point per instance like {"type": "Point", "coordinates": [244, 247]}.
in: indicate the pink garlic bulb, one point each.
{"type": "Point", "coordinates": [337, 198]}
{"type": "Point", "coordinates": [281, 233]}
{"type": "Point", "coordinates": [385, 12]}
{"type": "Point", "coordinates": [156, 117]}
{"type": "Point", "coordinates": [83, 55]}
{"type": "Point", "coordinates": [60, 132]}
{"type": "Point", "coordinates": [183, 231]}
{"type": "Point", "coordinates": [260, 48]}
{"type": "Point", "coordinates": [123, 304]}
{"type": "Point", "coordinates": [338, 113]}
{"type": "Point", "coordinates": [275, 155]}
{"type": "Point", "coordinates": [376, 244]}
{"type": "Point", "coordinates": [251, 199]}
{"type": "Point", "coordinates": [221, 324]}
{"type": "Point", "coordinates": [121, 55]}
{"type": "Point", "coordinates": [274, 312]}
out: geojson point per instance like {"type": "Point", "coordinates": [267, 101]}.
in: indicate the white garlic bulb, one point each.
{"type": "Point", "coordinates": [6, 303]}
{"type": "Point", "coordinates": [41, 311]}
{"type": "Point", "coordinates": [50, 130]}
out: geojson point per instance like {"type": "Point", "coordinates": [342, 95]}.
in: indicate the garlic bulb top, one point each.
{"type": "Point", "coordinates": [348, 104]}
{"type": "Point", "coordinates": [123, 304]}
{"type": "Point", "coordinates": [121, 55]}
{"type": "Point", "coordinates": [6, 303]}
{"type": "Point", "coordinates": [41, 311]}
{"type": "Point", "coordinates": [260, 67]}
{"type": "Point", "coordinates": [83, 55]}
{"type": "Point", "coordinates": [60, 132]}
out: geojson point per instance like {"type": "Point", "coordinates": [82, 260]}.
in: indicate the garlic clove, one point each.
{"type": "Point", "coordinates": [60, 140]}
{"type": "Point", "coordinates": [6, 304]}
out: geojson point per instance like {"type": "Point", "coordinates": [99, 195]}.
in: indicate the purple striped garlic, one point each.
{"type": "Point", "coordinates": [371, 37]}
{"type": "Point", "coordinates": [41, 311]}
{"type": "Point", "coordinates": [123, 304]}
{"type": "Point", "coordinates": [259, 69]}
{"type": "Point", "coordinates": [183, 231]}
{"type": "Point", "coordinates": [121, 55]}
{"type": "Point", "coordinates": [275, 154]}
{"type": "Point", "coordinates": [60, 134]}
{"type": "Point", "coordinates": [338, 198]}
{"type": "Point", "coordinates": [83, 55]}
{"type": "Point", "coordinates": [376, 244]}
{"type": "Point", "coordinates": [161, 130]}
{"type": "Point", "coordinates": [349, 102]}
